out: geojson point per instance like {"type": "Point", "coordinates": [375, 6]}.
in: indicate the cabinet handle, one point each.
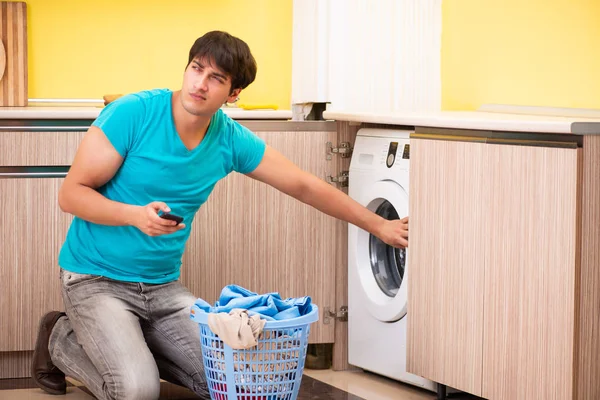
{"type": "Point", "coordinates": [505, 138]}
{"type": "Point", "coordinates": [33, 172]}
{"type": "Point", "coordinates": [44, 128]}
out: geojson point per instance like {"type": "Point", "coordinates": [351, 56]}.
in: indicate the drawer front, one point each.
{"type": "Point", "coordinates": [38, 148]}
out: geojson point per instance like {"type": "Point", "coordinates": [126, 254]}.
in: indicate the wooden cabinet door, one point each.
{"type": "Point", "coordinates": [252, 235]}
{"type": "Point", "coordinates": [531, 273]}
{"type": "Point", "coordinates": [32, 231]}
{"type": "Point", "coordinates": [447, 203]}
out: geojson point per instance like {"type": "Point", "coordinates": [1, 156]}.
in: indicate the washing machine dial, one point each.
{"type": "Point", "coordinates": [391, 155]}
{"type": "Point", "coordinates": [390, 160]}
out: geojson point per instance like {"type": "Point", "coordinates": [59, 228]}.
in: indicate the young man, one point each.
{"type": "Point", "coordinates": [127, 317]}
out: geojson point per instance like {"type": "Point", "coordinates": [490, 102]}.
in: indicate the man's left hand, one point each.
{"type": "Point", "coordinates": [395, 232]}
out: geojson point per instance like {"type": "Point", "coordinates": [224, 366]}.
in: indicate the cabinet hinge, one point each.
{"type": "Point", "coordinates": [342, 179]}
{"type": "Point", "coordinates": [341, 315]}
{"type": "Point", "coordinates": [343, 149]}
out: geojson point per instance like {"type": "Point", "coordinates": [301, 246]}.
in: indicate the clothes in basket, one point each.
{"type": "Point", "coordinates": [272, 366]}
{"type": "Point", "coordinates": [270, 306]}
{"type": "Point", "coordinates": [236, 328]}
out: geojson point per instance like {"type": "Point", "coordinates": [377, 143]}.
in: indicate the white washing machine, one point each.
{"type": "Point", "coordinates": [377, 297]}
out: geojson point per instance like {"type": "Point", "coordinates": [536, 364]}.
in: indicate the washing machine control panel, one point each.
{"type": "Point", "coordinates": [406, 152]}
{"type": "Point", "coordinates": [393, 153]}
{"type": "Point", "coordinates": [371, 153]}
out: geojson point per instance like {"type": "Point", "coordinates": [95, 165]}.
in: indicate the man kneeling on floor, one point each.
{"type": "Point", "coordinates": [127, 321]}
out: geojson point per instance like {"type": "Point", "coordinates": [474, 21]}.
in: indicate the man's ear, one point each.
{"type": "Point", "coordinates": [233, 96]}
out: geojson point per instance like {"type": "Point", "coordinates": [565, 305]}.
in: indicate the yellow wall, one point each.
{"type": "Point", "coordinates": [88, 48]}
{"type": "Point", "coordinates": [525, 52]}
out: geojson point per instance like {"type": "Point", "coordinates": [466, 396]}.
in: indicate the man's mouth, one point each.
{"type": "Point", "coordinates": [197, 96]}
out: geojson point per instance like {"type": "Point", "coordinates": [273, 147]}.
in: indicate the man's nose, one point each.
{"type": "Point", "coordinates": [201, 83]}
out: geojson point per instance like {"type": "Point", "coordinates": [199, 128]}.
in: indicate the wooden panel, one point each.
{"type": "Point", "coordinates": [38, 148]}
{"type": "Point", "coordinates": [31, 233]}
{"type": "Point", "coordinates": [588, 333]}
{"type": "Point", "coordinates": [346, 133]}
{"type": "Point", "coordinates": [16, 364]}
{"type": "Point", "coordinates": [530, 273]}
{"type": "Point", "coordinates": [255, 236]}
{"type": "Point", "coordinates": [445, 293]}
{"type": "Point", "coordinates": [13, 31]}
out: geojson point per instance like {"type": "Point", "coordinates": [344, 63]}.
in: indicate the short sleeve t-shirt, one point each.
{"type": "Point", "coordinates": [156, 167]}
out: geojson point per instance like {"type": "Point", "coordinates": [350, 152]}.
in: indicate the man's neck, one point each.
{"type": "Point", "coordinates": [191, 128]}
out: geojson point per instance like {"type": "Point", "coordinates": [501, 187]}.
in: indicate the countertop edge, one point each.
{"type": "Point", "coordinates": [477, 121]}
{"type": "Point", "coordinates": [87, 113]}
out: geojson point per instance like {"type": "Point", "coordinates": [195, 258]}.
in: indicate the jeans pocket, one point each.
{"type": "Point", "coordinates": [71, 280]}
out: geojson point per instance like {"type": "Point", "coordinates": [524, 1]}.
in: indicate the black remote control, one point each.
{"type": "Point", "coordinates": [172, 217]}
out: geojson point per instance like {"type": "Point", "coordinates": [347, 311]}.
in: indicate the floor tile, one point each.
{"type": "Point", "coordinates": [369, 386]}
{"type": "Point", "coordinates": [313, 389]}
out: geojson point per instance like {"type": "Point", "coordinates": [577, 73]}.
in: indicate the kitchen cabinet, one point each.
{"type": "Point", "coordinates": [496, 300]}
{"type": "Point", "coordinates": [530, 273]}
{"type": "Point", "coordinates": [33, 230]}
{"type": "Point", "coordinates": [446, 285]}
{"type": "Point", "coordinates": [247, 233]}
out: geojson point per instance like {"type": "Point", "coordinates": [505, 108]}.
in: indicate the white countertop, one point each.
{"type": "Point", "coordinates": [83, 112]}
{"type": "Point", "coordinates": [478, 120]}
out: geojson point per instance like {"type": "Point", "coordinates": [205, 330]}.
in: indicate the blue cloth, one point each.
{"type": "Point", "coordinates": [270, 306]}
{"type": "Point", "coordinates": [156, 167]}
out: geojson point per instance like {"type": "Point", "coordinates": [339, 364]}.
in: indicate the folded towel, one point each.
{"type": "Point", "coordinates": [270, 306]}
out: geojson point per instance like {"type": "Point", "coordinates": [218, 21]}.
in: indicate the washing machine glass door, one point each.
{"type": "Point", "coordinates": [382, 268]}
{"type": "Point", "coordinates": [387, 263]}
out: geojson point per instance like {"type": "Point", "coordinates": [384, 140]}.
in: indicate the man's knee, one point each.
{"type": "Point", "coordinates": [134, 386]}
{"type": "Point", "coordinates": [201, 387]}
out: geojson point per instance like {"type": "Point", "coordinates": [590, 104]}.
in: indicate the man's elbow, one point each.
{"type": "Point", "coordinates": [63, 199]}
{"type": "Point", "coordinates": [305, 191]}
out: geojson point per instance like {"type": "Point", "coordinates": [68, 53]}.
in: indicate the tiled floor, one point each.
{"type": "Point", "coordinates": [374, 387]}
{"type": "Point", "coordinates": [316, 385]}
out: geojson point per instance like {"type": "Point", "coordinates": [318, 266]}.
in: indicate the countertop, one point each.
{"type": "Point", "coordinates": [478, 120]}
{"type": "Point", "coordinates": [87, 112]}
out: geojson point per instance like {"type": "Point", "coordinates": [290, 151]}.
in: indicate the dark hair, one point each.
{"type": "Point", "coordinates": [230, 54]}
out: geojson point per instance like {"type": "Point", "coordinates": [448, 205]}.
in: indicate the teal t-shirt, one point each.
{"type": "Point", "coordinates": [156, 167]}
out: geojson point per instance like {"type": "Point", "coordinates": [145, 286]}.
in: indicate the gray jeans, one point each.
{"type": "Point", "coordinates": [120, 338]}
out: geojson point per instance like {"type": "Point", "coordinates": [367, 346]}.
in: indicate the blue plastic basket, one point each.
{"type": "Point", "coordinates": [271, 370]}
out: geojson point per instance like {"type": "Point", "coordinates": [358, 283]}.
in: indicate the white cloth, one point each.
{"type": "Point", "coordinates": [237, 329]}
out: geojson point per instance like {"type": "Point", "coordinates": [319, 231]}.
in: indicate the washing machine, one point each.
{"type": "Point", "coordinates": [377, 272]}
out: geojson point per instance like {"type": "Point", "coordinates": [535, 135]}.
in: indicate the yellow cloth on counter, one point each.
{"type": "Point", "coordinates": [258, 106]}
{"type": "Point", "coordinates": [237, 329]}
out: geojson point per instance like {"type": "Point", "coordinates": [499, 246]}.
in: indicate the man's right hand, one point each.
{"type": "Point", "coordinates": [148, 221]}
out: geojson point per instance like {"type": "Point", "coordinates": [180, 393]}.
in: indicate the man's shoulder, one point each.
{"type": "Point", "coordinates": [152, 94]}
{"type": "Point", "coordinates": [137, 105]}
{"type": "Point", "coordinates": [230, 125]}
{"type": "Point", "coordinates": [146, 97]}
{"type": "Point", "coordinates": [223, 124]}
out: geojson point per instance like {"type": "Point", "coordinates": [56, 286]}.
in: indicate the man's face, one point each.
{"type": "Point", "coordinates": [205, 88]}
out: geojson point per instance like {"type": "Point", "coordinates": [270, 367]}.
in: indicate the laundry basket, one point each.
{"type": "Point", "coordinates": [271, 370]}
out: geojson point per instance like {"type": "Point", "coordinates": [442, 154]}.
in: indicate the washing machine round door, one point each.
{"type": "Point", "coordinates": [382, 268]}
